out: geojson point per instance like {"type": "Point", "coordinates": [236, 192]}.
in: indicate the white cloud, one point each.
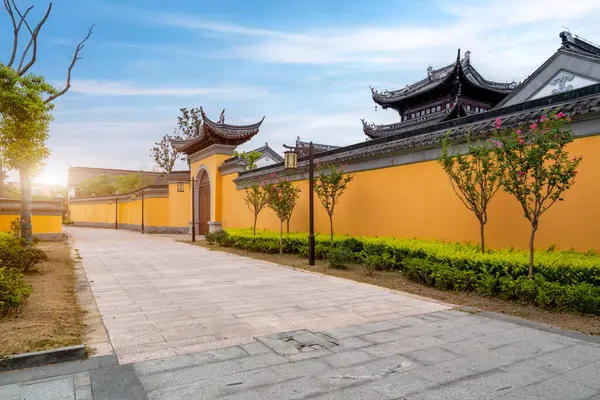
{"type": "Point", "coordinates": [508, 37]}
{"type": "Point", "coordinates": [115, 88]}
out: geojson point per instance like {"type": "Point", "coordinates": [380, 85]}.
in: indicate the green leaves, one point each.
{"type": "Point", "coordinates": [282, 196]}
{"type": "Point", "coordinates": [250, 158]}
{"type": "Point", "coordinates": [329, 186]}
{"type": "Point", "coordinates": [474, 177]}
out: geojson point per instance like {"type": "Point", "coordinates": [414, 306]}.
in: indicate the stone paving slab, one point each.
{"type": "Point", "coordinates": [160, 298]}
{"type": "Point", "coordinates": [513, 363]}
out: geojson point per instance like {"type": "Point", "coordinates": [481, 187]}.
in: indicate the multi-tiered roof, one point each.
{"type": "Point", "coordinates": [217, 133]}
{"type": "Point", "coordinates": [453, 91]}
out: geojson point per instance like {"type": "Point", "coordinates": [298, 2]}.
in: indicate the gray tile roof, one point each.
{"type": "Point", "coordinates": [575, 103]}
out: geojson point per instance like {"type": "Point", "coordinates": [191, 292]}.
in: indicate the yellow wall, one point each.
{"type": "Point", "coordinates": [179, 206]}
{"type": "Point", "coordinates": [156, 212]}
{"type": "Point", "coordinates": [417, 200]}
{"type": "Point", "coordinates": [41, 223]}
{"type": "Point", "coordinates": [414, 200]}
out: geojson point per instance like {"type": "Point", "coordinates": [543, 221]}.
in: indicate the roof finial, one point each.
{"type": "Point", "coordinates": [458, 56]}
{"type": "Point", "coordinates": [467, 56]}
{"type": "Point", "coordinates": [222, 117]}
{"type": "Point", "coordinates": [430, 72]}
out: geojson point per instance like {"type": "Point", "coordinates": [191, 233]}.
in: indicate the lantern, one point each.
{"type": "Point", "coordinates": [291, 159]}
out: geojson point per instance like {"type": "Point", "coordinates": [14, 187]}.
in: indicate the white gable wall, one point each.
{"type": "Point", "coordinates": [563, 70]}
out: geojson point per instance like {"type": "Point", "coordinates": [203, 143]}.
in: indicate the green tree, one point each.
{"type": "Point", "coordinates": [250, 158]}
{"type": "Point", "coordinates": [102, 185]}
{"type": "Point", "coordinates": [256, 199]}
{"type": "Point", "coordinates": [24, 125]}
{"type": "Point", "coordinates": [131, 182]}
{"type": "Point", "coordinates": [329, 186]}
{"type": "Point", "coordinates": [282, 199]}
{"type": "Point", "coordinates": [474, 177]}
{"type": "Point", "coordinates": [26, 103]}
{"type": "Point", "coordinates": [536, 168]}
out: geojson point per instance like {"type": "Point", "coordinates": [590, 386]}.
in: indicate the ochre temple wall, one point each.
{"type": "Point", "coordinates": [413, 200]}
{"type": "Point", "coordinates": [102, 214]}
{"type": "Point", "coordinates": [417, 200]}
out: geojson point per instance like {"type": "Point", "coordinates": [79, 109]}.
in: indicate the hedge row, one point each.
{"type": "Point", "coordinates": [568, 278]}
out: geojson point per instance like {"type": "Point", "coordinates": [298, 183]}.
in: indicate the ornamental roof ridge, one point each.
{"type": "Point", "coordinates": [438, 76]}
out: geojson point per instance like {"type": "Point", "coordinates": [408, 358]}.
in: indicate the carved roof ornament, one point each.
{"type": "Point", "coordinates": [467, 58]}
{"type": "Point", "coordinates": [222, 117]}
{"type": "Point", "coordinates": [430, 73]}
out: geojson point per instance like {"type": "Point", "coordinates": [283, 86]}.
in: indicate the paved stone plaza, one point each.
{"type": "Point", "coordinates": [187, 323]}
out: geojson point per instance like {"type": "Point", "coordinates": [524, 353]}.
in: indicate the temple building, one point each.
{"type": "Point", "coordinates": [459, 90]}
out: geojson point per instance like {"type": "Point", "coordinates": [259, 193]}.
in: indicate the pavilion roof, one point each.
{"type": "Point", "coordinates": [461, 69]}
{"type": "Point", "coordinates": [217, 132]}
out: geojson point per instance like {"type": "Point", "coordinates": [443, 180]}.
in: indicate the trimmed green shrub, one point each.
{"type": "Point", "coordinates": [13, 255]}
{"type": "Point", "coordinates": [564, 280]}
{"type": "Point", "coordinates": [210, 238]}
{"type": "Point", "coordinates": [338, 257]}
{"type": "Point", "coordinates": [13, 290]}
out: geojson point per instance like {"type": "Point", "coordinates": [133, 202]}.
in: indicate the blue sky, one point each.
{"type": "Point", "coordinates": [305, 65]}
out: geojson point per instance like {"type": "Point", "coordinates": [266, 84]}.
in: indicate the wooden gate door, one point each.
{"type": "Point", "coordinates": [203, 204]}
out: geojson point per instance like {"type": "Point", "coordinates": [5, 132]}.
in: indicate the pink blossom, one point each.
{"type": "Point", "coordinates": [498, 123]}
{"type": "Point", "coordinates": [555, 136]}
{"type": "Point", "coordinates": [345, 165]}
{"type": "Point", "coordinates": [533, 126]}
{"type": "Point", "coordinates": [518, 132]}
{"type": "Point", "coordinates": [543, 118]}
{"type": "Point", "coordinates": [575, 172]}
{"type": "Point", "coordinates": [521, 173]}
{"type": "Point", "coordinates": [497, 143]}
{"type": "Point", "coordinates": [560, 115]}
{"type": "Point", "coordinates": [521, 141]}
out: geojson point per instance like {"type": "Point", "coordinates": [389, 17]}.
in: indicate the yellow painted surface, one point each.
{"type": "Point", "coordinates": [130, 212]}
{"type": "Point", "coordinates": [417, 200]}
{"type": "Point", "coordinates": [41, 223]}
{"type": "Point", "coordinates": [179, 206]}
{"type": "Point", "coordinates": [414, 200]}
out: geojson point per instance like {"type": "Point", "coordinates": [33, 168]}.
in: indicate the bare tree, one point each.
{"type": "Point", "coordinates": [164, 154]}
{"type": "Point", "coordinates": [27, 57]}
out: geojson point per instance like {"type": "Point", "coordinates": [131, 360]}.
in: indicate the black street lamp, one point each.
{"type": "Point", "coordinates": [180, 188]}
{"type": "Point", "coordinates": [291, 163]}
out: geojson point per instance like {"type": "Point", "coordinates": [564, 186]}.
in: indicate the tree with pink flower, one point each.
{"type": "Point", "coordinates": [329, 186]}
{"type": "Point", "coordinates": [282, 196]}
{"type": "Point", "coordinates": [474, 178]}
{"type": "Point", "coordinates": [535, 166]}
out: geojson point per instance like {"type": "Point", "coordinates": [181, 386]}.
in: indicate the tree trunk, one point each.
{"type": "Point", "coordinates": [331, 227]}
{"type": "Point", "coordinates": [481, 231]}
{"type": "Point", "coordinates": [255, 218]}
{"type": "Point", "coordinates": [534, 228]}
{"type": "Point", "coordinates": [26, 227]}
{"type": "Point", "coordinates": [288, 227]}
{"type": "Point", "coordinates": [281, 237]}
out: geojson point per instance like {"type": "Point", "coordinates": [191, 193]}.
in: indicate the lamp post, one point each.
{"type": "Point", "coordinates": [291, 163]}
{"type": "Point", "coordinates": [180, 186]}
{"type": "Point", "coordinates": [142, 211]}
{"type": "Point", "coordinates": [116, 213]}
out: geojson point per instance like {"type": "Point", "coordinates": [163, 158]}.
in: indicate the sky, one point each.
{"type": "Point", "coordinates": [306, 65]}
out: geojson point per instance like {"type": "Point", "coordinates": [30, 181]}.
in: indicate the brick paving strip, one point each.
{"type": "Point", "coordinates": [316, 337]}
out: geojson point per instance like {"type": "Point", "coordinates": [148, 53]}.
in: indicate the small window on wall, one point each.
{"type": "Point", "coordinates": [447, 106]}
{"type": "Point", "coordinates": [476, 109]}
{"type": "Point", "coordinates": [439, 108]}
{"type": "Point", "coordinates": [468, 107]}
{"type": "Point", "coordinates": [180, 186]}
{"type": "Point", "coordinates": [427, 111]}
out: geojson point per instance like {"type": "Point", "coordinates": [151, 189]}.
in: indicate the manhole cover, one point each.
{"type": "Point", "coordinates": [297, 342]}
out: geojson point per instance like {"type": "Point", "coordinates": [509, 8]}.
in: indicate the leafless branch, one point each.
{"type": "Point", "coordinates": [32, 41]}
{"type": "Point", "coordinates": [16, 27]}
{"type": "Point", "coordinates": [76, 56]}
